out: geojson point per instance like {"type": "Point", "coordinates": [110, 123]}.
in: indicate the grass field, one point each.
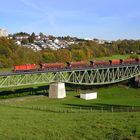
{"type": "Point", "coordinates": [115, 57]}
{"type": "Point", "coordinates": [121, 95]}
{"type": "Point", "coordinates": [21, 118]}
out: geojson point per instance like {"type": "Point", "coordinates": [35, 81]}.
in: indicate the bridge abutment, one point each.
{"type": "Point", "coordinates": [57, 90]}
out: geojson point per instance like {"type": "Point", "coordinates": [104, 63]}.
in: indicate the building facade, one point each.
{"type": "Point", "coordinates": [3, 33]}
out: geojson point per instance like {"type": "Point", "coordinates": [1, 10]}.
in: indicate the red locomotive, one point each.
{"type": "Point", "coordinates": [25, 68]}
{"type": "Point", "coordinates": [73, 65]}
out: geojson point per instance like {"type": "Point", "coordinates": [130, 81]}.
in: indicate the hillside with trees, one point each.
{"type": "Point", "coordinates": [89, 50]}
{"type": "Point", "coordinates": [12, 54]}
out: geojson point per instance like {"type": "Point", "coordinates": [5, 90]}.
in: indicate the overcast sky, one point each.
{"type": "Point", "coordinates": [103, 19]}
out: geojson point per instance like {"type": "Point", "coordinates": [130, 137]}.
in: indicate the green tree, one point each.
{"type": "Point", "coordinates": [49, 57]}
{"type": "Point", "coordinates": [78, 55]}
{"type": "Point", "coordinates": [63, 55]}
{"type": "Point", "coordinates": [24, 41]}
{"type": "Point", "coordinates": [32, 37]}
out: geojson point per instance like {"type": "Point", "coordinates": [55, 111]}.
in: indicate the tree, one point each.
{"type": "Point", "coordinates": [24, 41]}
{"type": "Point", "coordinates": [49, 57]}
{"type": "Point", "coordinates": [32, 37]}
{"type": "Point", "coordinates": [63, 55]}
{"type": "Point", "coordinates": [21, 34]}
{"type": "Point", "coordinates": [78, 55]}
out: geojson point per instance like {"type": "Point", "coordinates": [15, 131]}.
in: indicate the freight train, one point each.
{"type": "Point", "coordinates": [73, 65]}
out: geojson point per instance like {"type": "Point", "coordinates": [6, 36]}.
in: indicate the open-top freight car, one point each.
{"type": "Point", "coordinates": [116, 62]}
{"type": "Point", "coordinates": [47, 66]}
{"type": "Point", "coordinates": [74, 65]}
{"type": "Point", "coordinates": [77, 64]}
{"type": "Point", "coordinates": [99, 63]}
{"type": "Point", "coordinates": [130, 61]}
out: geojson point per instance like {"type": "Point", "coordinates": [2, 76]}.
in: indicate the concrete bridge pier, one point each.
{"type": "Point", "coordinates": [57, 90]}
{"type": "Point", "coordinates": [137, 81]}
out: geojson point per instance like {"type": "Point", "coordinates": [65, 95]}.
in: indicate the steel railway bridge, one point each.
{"type": "Point", "coordinates": [86, 76]}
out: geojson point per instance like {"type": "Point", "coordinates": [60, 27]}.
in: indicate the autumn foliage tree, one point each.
{"type": "Point", "coordinates": [11, 54]}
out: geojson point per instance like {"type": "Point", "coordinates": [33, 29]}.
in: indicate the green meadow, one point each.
{"type": "Point", "coordinates": [37, 117]}
{"type": "Point", "coordinates": [119, 56]}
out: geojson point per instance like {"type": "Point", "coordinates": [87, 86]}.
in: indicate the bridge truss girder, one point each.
{"type": "Point", "coordinates": [98, 76]}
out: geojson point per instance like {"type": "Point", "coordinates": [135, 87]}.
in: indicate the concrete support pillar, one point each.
{"type": "Point", "coordinates": [57, 90]}
{"type": "Point", "coordinates": [137, 81]}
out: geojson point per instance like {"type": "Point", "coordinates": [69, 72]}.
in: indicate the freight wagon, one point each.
{"type": "Point", "coordinates": [47, 66]}
{"type": "Point", "coordinates": [78, 64]}
{"type": "Point", "coordinates": [73, 65]}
